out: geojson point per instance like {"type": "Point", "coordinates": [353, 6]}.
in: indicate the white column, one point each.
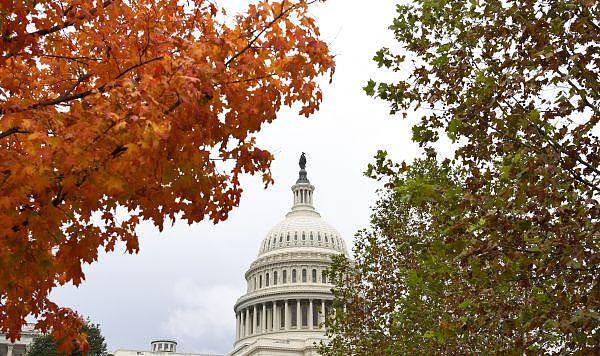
{"type": "Point", "coordinates": [237, 326]}
{"type": "Point", "coordinates": [275, 317]}
{"type": "Point", "coordinates": [323, 312]}
{"type": "Point", "coordinates": [287, 316]}
{"type": "Point", "coordinates": [264, 317]}
{"type": "Point", "coordinates": [298, 315]}
{"type": "Point", "coordinates": [247, 323]}
{"type": "Point", "coordinates": [240, 326]}
{"type": "Point", "coordinates": [10, 350]}
{"type": "Point", "coordinates": [310, 315]}
{"type": "Point", "coordinates": [254, 320]}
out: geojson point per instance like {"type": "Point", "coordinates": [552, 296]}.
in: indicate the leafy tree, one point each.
{"type": "Point", "coordinates": [515, 86]}
{"type": "Point", "coordinates": [392, 299]}
{"type": "Point", "coordinates": [149, 106]}
{"type": "Point", "coordinates": [44, 345]}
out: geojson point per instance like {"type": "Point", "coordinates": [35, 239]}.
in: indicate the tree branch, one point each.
{"type": "Point", "coordinates": [66, 98]}
{"type": "Point", "coordinates": [55, 28]}
{"type": "Point", "coordinates": [275, 19]}
{"type": "Point", "coordinates": [251, 79]}
{"type": "Point", "coordinates": [12, 130]}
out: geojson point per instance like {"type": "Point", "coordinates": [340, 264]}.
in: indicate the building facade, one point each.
{"type": "Point", "coordinates": [166, 347]}
{"type": "Point", "coordinates": [288, 294]}
{"type": "Point", "coordinates": [19, 347]}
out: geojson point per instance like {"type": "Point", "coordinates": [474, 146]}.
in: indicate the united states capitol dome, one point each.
{"type": "Point", "coordinates": [288, 291]}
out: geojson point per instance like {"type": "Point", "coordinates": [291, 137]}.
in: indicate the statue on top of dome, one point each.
{"type": "Point", "coordinates": [302, 161]}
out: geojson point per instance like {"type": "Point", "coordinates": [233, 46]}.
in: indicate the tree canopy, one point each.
{"type": "Point", "coordinates": [149, 106]}
{"type": "Point", "coordinates": [394, 297]}
{"type": "Point", "coordinates": [45, 345]}
{"type": "Point", "coordinates": [508, 258]}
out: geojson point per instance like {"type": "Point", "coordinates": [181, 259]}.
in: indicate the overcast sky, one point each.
{"type": "Point", "coordinates": [184, 282]}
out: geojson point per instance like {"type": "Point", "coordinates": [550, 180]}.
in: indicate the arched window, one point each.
{"type": "Point", "coordinates": [326, 238]}
{"type": "Point", "coordinates": [293, 276]}
{"type": "Point", "coordinates": [323, 277]}
{"type": "Point", "coordinates": [303, 275]}
{"type": "Point", "coordinates": [288, 236]}
{"type": "Point", "coordinates": [284, 276]}
{"type": "Point", "coordinates": [275, 278]}
{"type": "Point", "coordinates": [267, 279]}
{"type": "Point", "coordinates": [280, 238]}
{"type": "Point", "coordinates": [303, 237]}
{"type": "Point", "coordinates": [314, 276]}
{"type": "Point", "coordinates": [260, 281]}
{"type": "Point", "coordinates": [254, 284]}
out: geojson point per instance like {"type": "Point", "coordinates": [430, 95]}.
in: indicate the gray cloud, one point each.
{"type": "Point", "coordinates": [201, 313]}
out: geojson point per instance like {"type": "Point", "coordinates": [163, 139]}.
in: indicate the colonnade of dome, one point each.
{"type": "Point", "coordinates": [281, 315]}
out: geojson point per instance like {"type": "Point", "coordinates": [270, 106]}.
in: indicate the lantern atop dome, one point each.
{"type": "Point", "coordinates": [303, 190]}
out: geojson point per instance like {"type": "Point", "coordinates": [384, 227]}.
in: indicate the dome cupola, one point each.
{"type": "Point", "coordinates": [164, 345]}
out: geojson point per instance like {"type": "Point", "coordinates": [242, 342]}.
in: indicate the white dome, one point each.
{"type": "Point", "coordinates": [303, 228]}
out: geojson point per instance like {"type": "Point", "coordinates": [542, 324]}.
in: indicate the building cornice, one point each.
{"type": "Point", "coordinates": [303, 291]}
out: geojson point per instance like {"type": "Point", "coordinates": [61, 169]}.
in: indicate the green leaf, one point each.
{"type": "Point", "coordinates": [370, 87]}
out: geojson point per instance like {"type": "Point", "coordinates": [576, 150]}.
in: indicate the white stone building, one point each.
{"type": "Point", "coordinates": [18, 347]}
{"type": "Point", "coordinates": [161, 347]}
{"type": "Point", "coordinates": [283, 309]}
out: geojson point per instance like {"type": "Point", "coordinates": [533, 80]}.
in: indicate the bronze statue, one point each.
{"type": "Point", "coordinates": [302, 161]}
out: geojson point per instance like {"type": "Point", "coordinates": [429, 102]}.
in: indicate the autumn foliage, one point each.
{"type": "Point", "coordinates": [145, 105]}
